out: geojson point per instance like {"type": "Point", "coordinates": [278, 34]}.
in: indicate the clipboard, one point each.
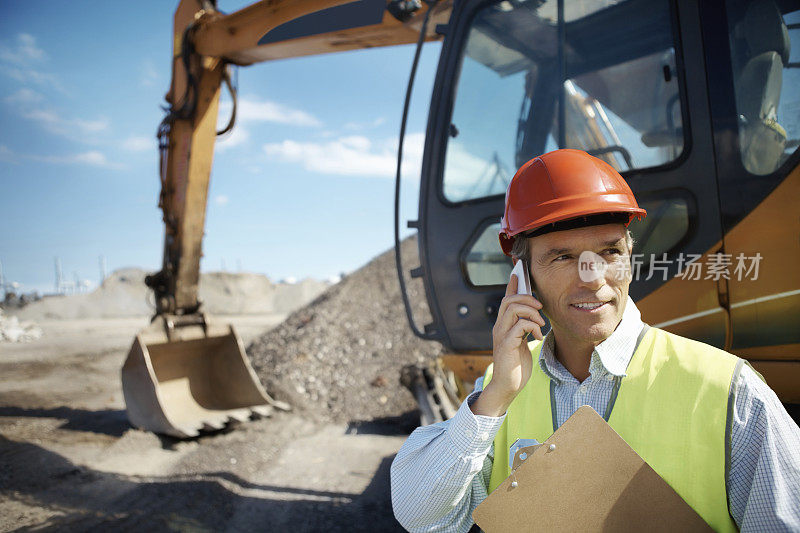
{"type": "Point", "coordinates": [585, 477]}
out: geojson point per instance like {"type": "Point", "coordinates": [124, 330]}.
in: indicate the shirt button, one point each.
{"type": "Point", "coordinates": [484, 436]}
{"type": "Point", "coordinates": [468, 433]}
{"type": "Point", "coordinates": [583, 388]}
{"type": "Point", "coordinates": [610, 377]}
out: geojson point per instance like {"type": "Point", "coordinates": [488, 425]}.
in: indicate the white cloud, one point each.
{"type": "Point", "coordinates": [43, 117]}
{"type": "Point", "coordinates": [28, 75]}
{"type": "Point", "coordinates": [90, 126]}
{"type": "Point", "coordinates": [138, 143]}
{"type": "Point", "coordinates": [23, 96]}
{"type": "Point", "coordinates": [353, 155]}
{"type": "Point", "coordinates": [6, 154]}
{"type": "Point", "coordinates": [91, 158]}
{"type": "Point", "coordinates": [221, 199]}
{"type": "Point", "coordinates": [23, 52]}
{"type": "Point", "coordinates": [75, 129]}
{"type": "Point", "coordinates": [364, 125]}
{"type": "Point", "coordinates": [253, 110]}
{"type": "Point", "coordinates": [22, 61]}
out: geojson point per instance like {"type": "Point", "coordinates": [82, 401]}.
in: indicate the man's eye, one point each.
{"type": "Point", "coordinates": [562, 257]}
{"type": "Point", "coordinates": [614, 251]}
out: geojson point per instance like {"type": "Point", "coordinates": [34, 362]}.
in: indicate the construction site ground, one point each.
{"type": "Point", "coordinates": [69, 460]}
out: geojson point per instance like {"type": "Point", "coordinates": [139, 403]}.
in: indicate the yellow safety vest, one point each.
{"type": "Point", "coordinates": [671, 407]}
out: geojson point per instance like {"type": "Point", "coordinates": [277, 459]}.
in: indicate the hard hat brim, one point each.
{"type": "Point", "coordinates": [583, 220]}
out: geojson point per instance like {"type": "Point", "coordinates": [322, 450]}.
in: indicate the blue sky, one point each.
{"type": "Point", "coordinates": [303, 187]}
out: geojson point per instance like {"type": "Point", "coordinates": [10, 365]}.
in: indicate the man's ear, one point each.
{"type": "Point", "coordinates": [629, 241]}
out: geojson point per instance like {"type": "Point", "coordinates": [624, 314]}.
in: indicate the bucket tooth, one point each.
{"type": "Point", "coordinates": [239, 415]}
{"type": "Point", "coordinates": [283, 406]}
{"type": "Point", "coordinates": [213, 425]}
{"type": "Point", "coordinates": [186, 432]}
{"type": "Point", "coordinates": [262, 410]}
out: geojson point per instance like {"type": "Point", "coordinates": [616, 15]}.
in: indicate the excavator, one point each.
{"type": "Point", "coordinates": [696, 104]}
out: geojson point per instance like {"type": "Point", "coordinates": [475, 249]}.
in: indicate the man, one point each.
{"type": "Point", "coordinates": [703, 419]}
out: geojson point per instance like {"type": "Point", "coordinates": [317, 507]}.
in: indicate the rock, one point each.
{"type": "Point", "coordinates": [12, 330]}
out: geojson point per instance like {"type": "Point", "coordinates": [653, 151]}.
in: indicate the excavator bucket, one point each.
{"type": "Point", "coordinates": [183, 376]}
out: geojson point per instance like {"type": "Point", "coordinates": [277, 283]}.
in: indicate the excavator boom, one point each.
{"type": "Point", "coordinates": [184, 372]}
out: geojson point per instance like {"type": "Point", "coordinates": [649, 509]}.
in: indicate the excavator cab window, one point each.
{"type": "Point", "coordinates": [519, 78]}
{"type": "Point", "coordinates": [619, 98]}
{"type": "Point", "coordinates": [484, 261]}
{"type": "Point", "coordinates": [765, 46]}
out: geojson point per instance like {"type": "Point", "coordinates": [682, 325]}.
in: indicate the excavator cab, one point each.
{"type": "Point", "coordinates": [695, 104]}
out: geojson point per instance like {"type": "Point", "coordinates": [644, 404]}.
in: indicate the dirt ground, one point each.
{"type": "Point", "coordinates": [69, 460]}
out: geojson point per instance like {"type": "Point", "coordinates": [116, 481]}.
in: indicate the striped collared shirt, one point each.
{"type": "Point", "coordinates": [442, 471]}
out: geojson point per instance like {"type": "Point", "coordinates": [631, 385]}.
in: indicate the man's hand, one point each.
{"type": "Point", "coordinates": [518, 315]}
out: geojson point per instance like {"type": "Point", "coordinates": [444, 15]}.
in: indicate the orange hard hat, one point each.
{"type": "Point", "coordinates": [564, 185]}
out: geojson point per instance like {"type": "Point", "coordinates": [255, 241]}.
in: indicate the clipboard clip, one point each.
{"type": "Point", "coordinates": [519, 443]}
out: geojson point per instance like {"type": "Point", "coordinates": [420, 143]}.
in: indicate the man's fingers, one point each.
{"type": "Point", "coordinates": [518, 298]}
{"type": "Point", "coordinates": [515, 312]}
{"type": "Point", "coordinates": [525, 299]}
{"type": "Point", "coordinates": [523, 327]}
{"type": "Point", "coordinates": [513, 283]}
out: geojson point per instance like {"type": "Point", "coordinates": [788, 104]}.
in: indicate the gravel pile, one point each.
{"type": "Point", "coordinates": [339, 358]}
{"type": "Point", "coordinates": [247, 293]}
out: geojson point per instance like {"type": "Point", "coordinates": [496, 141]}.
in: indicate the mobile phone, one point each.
{"type": "Point", "coordinates": [523, 280]}
{"type": "Point", "coordinates": [524, 287]}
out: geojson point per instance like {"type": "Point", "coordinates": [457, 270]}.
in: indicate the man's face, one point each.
{"type": "Point", "coordinates": [562, 288]}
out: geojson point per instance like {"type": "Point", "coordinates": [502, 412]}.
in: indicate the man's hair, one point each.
{"type": "Point", "coordinates": [522, 249]}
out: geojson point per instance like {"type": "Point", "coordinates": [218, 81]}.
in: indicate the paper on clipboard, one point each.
{"type": "Point", "coordinates": [590, 480]}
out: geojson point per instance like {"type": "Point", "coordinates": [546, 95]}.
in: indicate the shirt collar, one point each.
{"type": "Point", "coordinates": [613, 354]}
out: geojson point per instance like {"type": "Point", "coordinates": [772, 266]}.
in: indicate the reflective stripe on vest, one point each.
{"type": "Point", "coordinates": [671, 408]}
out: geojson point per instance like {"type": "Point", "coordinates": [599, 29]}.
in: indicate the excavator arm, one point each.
{"type": "Point", "coordinates": [205, 41]}
{"type": "Point", "coordinates": [185, 373]}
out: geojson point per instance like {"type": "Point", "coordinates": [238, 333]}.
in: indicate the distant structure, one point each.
{"type": "Point", "coordinates": [64, 286]}
{"type": "Point", "coordinates": [103, 268]}
{"type": "Point", "coordinates": [7, 288]}
{"type": "Point", "coordinates": [81, 285]}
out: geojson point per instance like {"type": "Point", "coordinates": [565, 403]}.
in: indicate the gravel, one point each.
{"type": "Point", "coordinates": [339, 358]}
